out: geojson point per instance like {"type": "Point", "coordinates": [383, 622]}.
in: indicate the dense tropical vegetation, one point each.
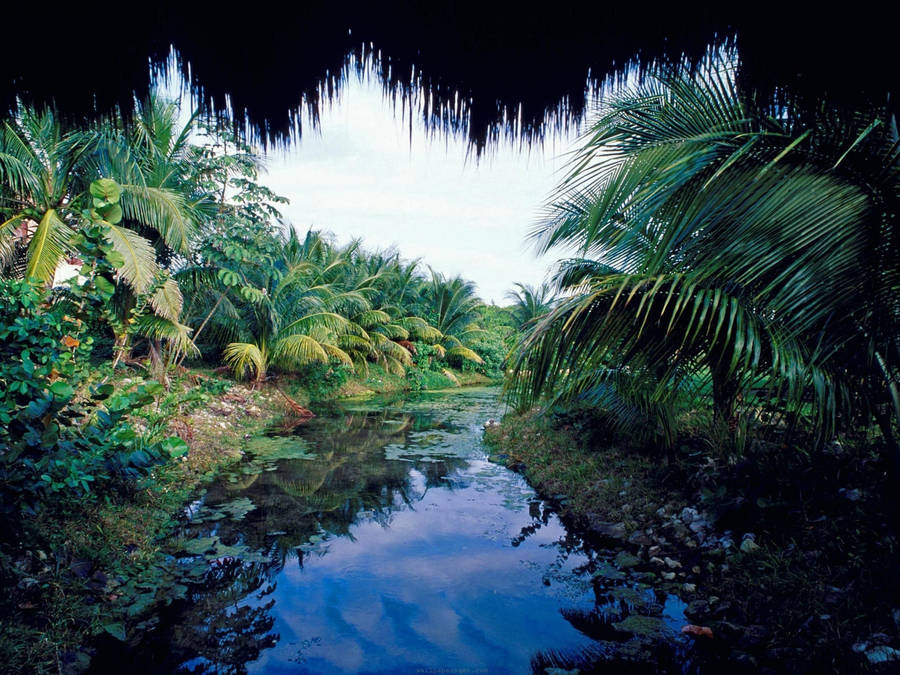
{"type": "Point", "coordinates": [725, 255]}
{"type": "Point", "coordinates": [132, 248]}
{"type": "Point", "coordinates": [732, 309]}
{"type": "Point", "coordinates": [726, 343]}
{"type": "Point", "coordinates": [175, 250]}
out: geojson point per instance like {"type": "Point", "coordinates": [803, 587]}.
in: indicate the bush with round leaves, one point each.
{"type": "Point", "coordinates": [61, 438]}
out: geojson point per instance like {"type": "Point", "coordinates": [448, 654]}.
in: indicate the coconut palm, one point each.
{"type": "Point", "coordinates": [719, 245]}
{"type": "Point", "coordinates": [288, 320]}
{"type": "Point", "coordinates": [530, 302]}
{"type": "Point", "coordinates": [46, 171]}
{"type": "Point", "coordinates": [49, 175]}
{"type": "Point", "coordinates": [153, 161]}
{"type": "Point", "coordinates": [450, 307]}
{"type": "Point", "coordinates": [40, 169]}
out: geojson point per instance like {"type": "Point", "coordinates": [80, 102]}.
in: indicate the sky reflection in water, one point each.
{"type": "Point", "coordinates": [393, 546]}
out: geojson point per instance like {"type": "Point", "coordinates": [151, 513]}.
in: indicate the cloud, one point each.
{"type": "Point", "coordinates": [363, 175]}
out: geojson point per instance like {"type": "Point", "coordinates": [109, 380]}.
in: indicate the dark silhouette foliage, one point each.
{"type": "Point", "coordinates": [484, 69]}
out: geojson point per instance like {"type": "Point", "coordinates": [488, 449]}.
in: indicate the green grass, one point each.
{"type": "Point", "coordinates": [556, 462]}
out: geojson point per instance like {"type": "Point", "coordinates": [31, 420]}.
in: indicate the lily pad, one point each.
{"type": "Point", "coordinates": [236, 509]}
{"type": "Point", "coordinates": [631, 596]}
{"type": "Point", "coordinates": [200, 545]}
{"type": "Point", "coordinates": [607, 571]}
{"type": "Point", "coordinates": [279, 447]}
{"type": "Point", "coordinates": [141, 603]}
{"type": "Point", "coordinates": [625, 560]}
{"type": "Point", "coordinates": [641, 626]}
{"type": "Point", "coordinates": [117, 630]}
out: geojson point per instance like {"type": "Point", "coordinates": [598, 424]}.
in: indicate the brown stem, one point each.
{"type": "Point", "coordinates": [304, 413]}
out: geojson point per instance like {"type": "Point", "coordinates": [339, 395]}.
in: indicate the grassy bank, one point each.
{"type": "Point", "coordinates": [79, 573]}
{"type": "Point", "coordinates": [788, 558]}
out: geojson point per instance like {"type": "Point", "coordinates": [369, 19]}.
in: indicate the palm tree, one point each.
{"type": "Point", "coordinates": [450, 307]}
{"type": "Point", "coordinates": [153, 160]}
{"type": "Point", "coordinates": [530, 302]}
{"type": "Point", "coordinates": [40, 166]}
{"type": "Point", "coordinates": [163, 205]}
{"type": "Point", "coordinates": [720, 245]}
{"type": "Point", "coordinates": [46, 171]}
{"type": "Point", "coordinates": [289, 320]}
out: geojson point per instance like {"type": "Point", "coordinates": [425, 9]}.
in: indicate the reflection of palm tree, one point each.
{"type": "Point", "coordinates": [224, 634]}
{"type": "Point", "coordinates": [243, 481]}
{"type": "Point", "coordinates": [324, 495]}
{"type": "Point", "coordinates": [324, 500]}
{"type": "Point", "coordinates": [313, 474]}
{"type": "Point", "coordinates": [348, 475]}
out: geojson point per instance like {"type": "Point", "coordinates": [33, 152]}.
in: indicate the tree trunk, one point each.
{"type": "Point", "coordinates": [120, 349]}
{"type": "Point", "coordinates": [725, 390]}
{"type": "Point", "coordinates": [157, 364]}
{"type": "Point", "coordinates": [303, 413]}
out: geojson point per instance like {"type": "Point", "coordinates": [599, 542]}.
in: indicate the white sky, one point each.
{"type": "Point", "coordinates": [361, 175]}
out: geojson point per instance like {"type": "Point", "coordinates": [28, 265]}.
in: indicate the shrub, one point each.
{"type": "Point", "coordinates": [60, 438]}
{"type": "Point", "coordinates": [321, 380]}
{"type": "Point", "coordinates": [492, 349]}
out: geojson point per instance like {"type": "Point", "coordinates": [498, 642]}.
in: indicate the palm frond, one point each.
{"type": "Point", "coordinates": [336, 352]}
{"type": "Point", "coordinates": [47, 247]}
{"type": "Point", "coordinates": [161, 209]}
{"type": "Point", "coordinates": [177, 335]}
{"type": "Point", "coordinates": [330, 320]}
{"type": "Point", "coordinates": [167, 301]}
{"type": "Point", "coordinates": [298, 350]}
{"type": "Point", "coordinates": [371, 318]}
{"type": "Point", "coordinates": [139, 268]}
{"type": "Point", "coordinates": [245, 359]}
{"type": "Point", "coordinates": [7, 240]}
{"type": "Point", "coordinates": [465, 353]}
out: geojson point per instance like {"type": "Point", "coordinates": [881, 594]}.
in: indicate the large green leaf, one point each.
{"type": "Point", "coordinates": [167, 301]}
{"type": "Point", "coordinates": [139, 267]}
{"type": "Point", "coordinates": [47, 247]}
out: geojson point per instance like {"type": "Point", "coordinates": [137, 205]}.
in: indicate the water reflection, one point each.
{"type": "Point", "coordinates": [378, 538]}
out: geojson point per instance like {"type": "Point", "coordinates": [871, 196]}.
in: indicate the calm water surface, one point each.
{"type": "Point", "coordinates": [377, 539]}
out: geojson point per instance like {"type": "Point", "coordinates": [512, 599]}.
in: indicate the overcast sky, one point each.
{"type": "Point", "coordinates": [361, 175]}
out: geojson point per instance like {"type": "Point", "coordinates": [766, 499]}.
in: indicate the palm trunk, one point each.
{"type": "Point", "coordinates": [302, 412]}
{"type": "Point", "coordinates": [203, 325]}
{"type": "Point", "coordinates": [887, 420]}
{"type": "Point", "coordinates": [157, 364]}
{"type": "Point", "coordinates": [120, 348]}
{"type": "Point", "coordinates": [725, 390]}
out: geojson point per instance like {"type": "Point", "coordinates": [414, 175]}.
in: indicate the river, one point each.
{"type": "Point", "coordinates": [379, 538]}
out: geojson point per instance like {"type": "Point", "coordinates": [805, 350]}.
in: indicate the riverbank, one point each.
{"type": "Point", "coordinates": [76, 576]}
{"type": "Point", "coordinates": [380, 381]}
{"type": "Point", "coordinates": [98, 568]}
{"type": "Point", "coordinates": [786, 562]}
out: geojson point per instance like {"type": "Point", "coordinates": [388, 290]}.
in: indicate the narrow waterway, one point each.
{"type": "Point", "coordinates": [378, 538]}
